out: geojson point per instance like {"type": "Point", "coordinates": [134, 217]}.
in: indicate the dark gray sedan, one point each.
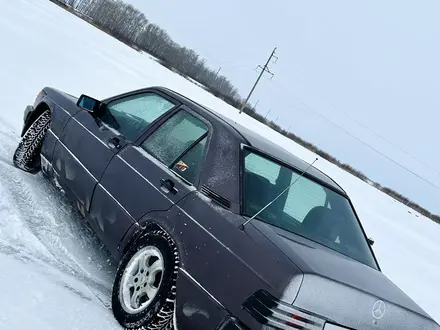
{"type": "Point", "coordinates": [214, 226]}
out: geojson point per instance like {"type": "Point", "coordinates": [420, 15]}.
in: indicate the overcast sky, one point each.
{"type": "Point", "coordinates": [343, 66]}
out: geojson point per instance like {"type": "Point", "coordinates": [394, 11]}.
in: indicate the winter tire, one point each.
{"type": "Point", "coordinates": [27, 154]}
{"type": "Point", "coordinates": [144, 290]}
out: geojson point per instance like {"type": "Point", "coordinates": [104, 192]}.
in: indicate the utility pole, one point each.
{"type": "Point", "coordinates": [218, 71]}
{"type": "Point", "coordinates": [267, 114]}
{"type": "Point", "coordinates": [263, 69]}
{"type": "Point", "coordinates": [256, 104]}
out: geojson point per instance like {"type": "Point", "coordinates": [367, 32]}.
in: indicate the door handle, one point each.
{"type": "Point", "coordinates": [167, 186]}
{"type": "Point", "coordinates": [113, 143]}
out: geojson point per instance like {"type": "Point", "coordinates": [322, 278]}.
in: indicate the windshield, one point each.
{"type": "Point", "coordinates": [308, 208]}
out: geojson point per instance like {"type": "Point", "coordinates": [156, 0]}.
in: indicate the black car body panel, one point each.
{"type": "Point", "coordinates": [195, 308]}
{"type": "Point", "coordinates": [344, 282]}
{"type": "Point", "coordinates": [119, 189]}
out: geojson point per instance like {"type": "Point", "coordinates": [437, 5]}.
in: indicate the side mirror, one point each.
{"type": "Point", "coordinates": [370, 241]}
{"type": "Point", "coordinates": [88, 103]}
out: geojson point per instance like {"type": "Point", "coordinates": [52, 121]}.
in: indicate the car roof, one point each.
{"type": "Point", "coordinates": [259, 142]}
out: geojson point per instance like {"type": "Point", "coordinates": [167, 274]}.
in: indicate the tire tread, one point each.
{"type": "Point", "coordinates": [30, 144]}
{"type": "Point", "coordinates": [163, 318]}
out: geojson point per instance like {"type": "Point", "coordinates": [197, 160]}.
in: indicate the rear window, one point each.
{"type": "Point", "coordinates": [308, 208]}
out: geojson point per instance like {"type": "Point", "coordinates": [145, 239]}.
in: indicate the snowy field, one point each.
{"type": "Point", "coordinates": [54, 273]}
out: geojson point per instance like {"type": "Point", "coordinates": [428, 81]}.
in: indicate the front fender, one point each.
{"type": "Point", "coordinates": [28, 110]}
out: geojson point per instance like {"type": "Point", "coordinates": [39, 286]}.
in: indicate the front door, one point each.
{"type": "Point", "coordinates": [88, 143]}
{"type": "Point", "coordinates": [151, 175]}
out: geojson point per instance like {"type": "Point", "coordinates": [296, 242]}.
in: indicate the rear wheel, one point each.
{"type": "Point", "coordinates": [144, 290]}
{"type": "Point", "coordinates": [27, 154]}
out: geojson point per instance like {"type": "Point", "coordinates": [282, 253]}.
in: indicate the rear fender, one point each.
{"type": "Point", "coordinates": [152, 222]}
{"type": "Point", "coordinates": [155, 220]}
{"type": "Point", "coordinates": [195, 307]}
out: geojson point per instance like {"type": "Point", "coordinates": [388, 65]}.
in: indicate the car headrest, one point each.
{"type": "Point", "coordinates": [321, 220]}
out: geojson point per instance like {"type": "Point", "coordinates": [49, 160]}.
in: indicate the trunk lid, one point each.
{"type": "Point", "coordinates": [357, 309]}
{"type": "Point", "coordinates": [345, 291]}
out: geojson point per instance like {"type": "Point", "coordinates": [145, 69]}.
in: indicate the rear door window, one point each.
{"type": "Point", "coordinates": [180, 144]}
{"type": "Point", "coordinates": [189, 165]}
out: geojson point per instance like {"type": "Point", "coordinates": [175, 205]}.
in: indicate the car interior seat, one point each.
{"type": "Point", "coordinates": [322, 222]}
{"type": "Point", "coordinates": [258, 189]}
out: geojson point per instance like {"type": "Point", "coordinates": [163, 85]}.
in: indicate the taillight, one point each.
{"type": "Point", "coordinates": [278, 315]}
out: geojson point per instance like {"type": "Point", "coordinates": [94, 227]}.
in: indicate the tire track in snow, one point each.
{"type": "Point", "coordinates": [38, 225]}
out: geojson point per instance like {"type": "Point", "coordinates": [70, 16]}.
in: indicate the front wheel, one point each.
{"type": "Point", "coordinates": [144, 291]}
{"type": "Point", "coordinates": [27, 154]}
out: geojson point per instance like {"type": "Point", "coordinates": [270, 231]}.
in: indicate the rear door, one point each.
{"type": "Point", "coordinates": [152, 175]}
{"type": "Point", "coordinates": [88, 142]}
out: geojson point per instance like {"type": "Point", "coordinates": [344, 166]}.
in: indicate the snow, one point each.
{"type": "Point", "coordinates": [55, 273]}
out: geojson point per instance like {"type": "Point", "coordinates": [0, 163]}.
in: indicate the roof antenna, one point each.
{"type": "Point", "coordinates": [271, 202]}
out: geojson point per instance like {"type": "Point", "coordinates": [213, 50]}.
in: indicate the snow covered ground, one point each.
{"type": "Point", "coordinates": [54, 273]}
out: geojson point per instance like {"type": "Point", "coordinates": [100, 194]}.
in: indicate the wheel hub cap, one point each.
{"type": "Point", "coordinates": [141, 280]}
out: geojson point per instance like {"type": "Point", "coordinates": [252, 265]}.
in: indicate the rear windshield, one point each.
{"type": "Point", "coordinates": [308, 208]}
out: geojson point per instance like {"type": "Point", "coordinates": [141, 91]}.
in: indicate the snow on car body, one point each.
{"type": "Point", "coordinates": [169, 187]}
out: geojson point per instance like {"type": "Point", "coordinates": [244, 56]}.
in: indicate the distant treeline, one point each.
{"type": "Point", "coordinates": [129, 25]}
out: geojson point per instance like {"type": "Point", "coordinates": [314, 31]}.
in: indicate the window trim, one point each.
{"type": "Point", "coordinates": [264, 154]}
{"type": "Point", "coordinates": [243, 148]}
{"type": "Point", "coordinates": [192, 145]}
{"type": "Point", "coordinates": [142, 91]}
{"type": "Point", "coordinates": [207, 135]}
{"type": "Point", "coordinates": [197, 178]}
{"type": "Point", "coordinates": [153, 91]}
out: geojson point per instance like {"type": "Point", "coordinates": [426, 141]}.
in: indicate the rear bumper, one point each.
{"type": "Point", "coordinates": [196, 309]}
{"type": "Point", "coordinates": [231, 323]}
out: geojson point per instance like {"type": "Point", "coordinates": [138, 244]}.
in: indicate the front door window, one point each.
{"type": "Point", "coordinates": [131, 115]}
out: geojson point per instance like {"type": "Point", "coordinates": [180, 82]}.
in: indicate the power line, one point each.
{"type": "Point", "coordinates": [263, 70]}
{"type": "Point", "coordinates": [364, 143]}
{"type": "Point", "coordinates": [377, 134]}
